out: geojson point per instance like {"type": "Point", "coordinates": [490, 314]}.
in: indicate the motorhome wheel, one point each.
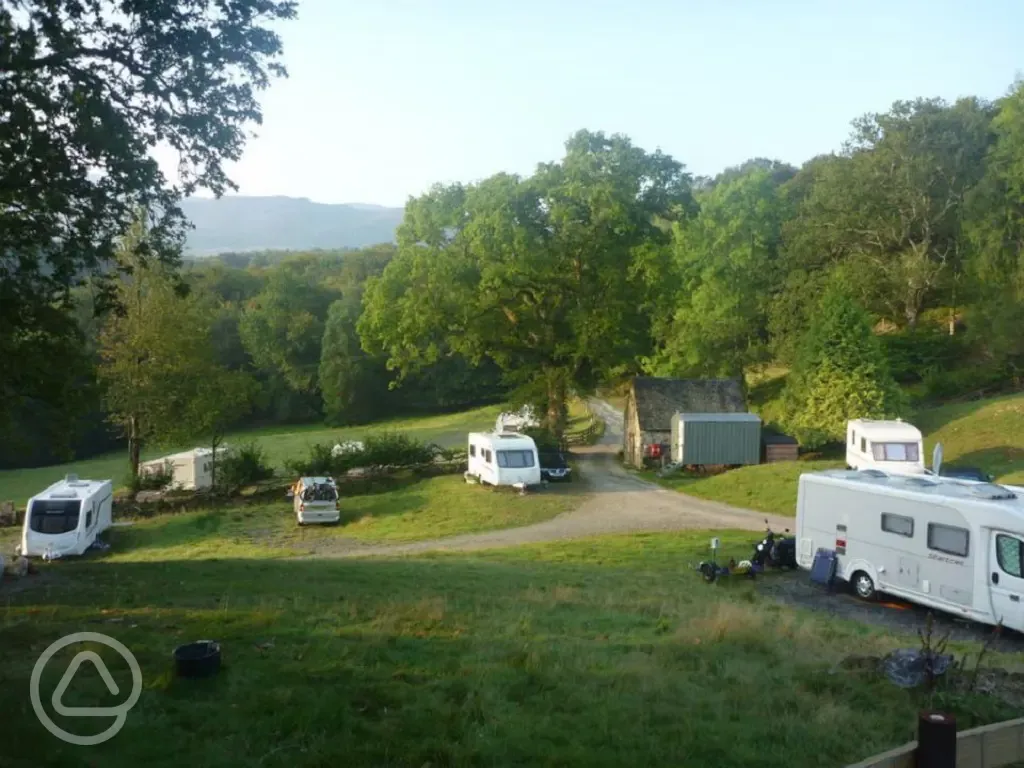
{"type": "Point", "coordinates": [863, 586]}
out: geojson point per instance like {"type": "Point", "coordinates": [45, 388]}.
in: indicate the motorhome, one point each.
{"type": "Point", "coordinates": [954, 546]}
{"type": "Point", "coordinates": [189, 470]}
{"type": "Point", "coordinates": [891, 446]}
{"type": "Point", "coordinates": [503, 458]}
{"type": "Point", "coordinates": [66, 518]}
{"type": "Point", "coordinates": [315, 500]}
{"type": "Point", "coordinates": [517, 421]}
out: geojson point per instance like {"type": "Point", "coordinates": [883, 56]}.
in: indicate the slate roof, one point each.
{"type": "Point", "coordinates": [658, 399]}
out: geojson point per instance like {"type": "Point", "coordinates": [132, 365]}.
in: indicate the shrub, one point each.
{"type": "Point", "coordinates": [911, 354]}
{"type": "Point", "coordinates": [944, 384]}
{"type": "Point", "coordinates": [385, 449]}
{"type": "Point", "coordinates": [544, 438]}
{"type": "Point", "coordinates": [153, 481]}
{"type": "Point", "coordinates": [245, 465]}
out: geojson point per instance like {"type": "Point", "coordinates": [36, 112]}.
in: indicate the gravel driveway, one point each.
{"type": "Point", "coordinates": [616, 502]}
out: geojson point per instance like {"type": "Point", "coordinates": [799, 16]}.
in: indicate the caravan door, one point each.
{"type": "Point", "coordinates": [1006, 578]}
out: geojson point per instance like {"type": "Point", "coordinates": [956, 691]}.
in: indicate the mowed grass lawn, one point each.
{"type": "Point", "coordinates": [603, 652]}
{"type": "Point", "coordinates": [987, 433]}
{"type": "Point", "coordinates": [399, 511]}
{"type": "Point", "coordinates": [280, 444]}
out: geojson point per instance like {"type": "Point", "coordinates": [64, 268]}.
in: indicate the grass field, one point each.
{"type": "Point", "coordinates": [604, 652]}
{"type": "Point", "coordinates": [280, 443]}
{"type": "Point", "coordinates": [986, 433]}
{"type": "Point", "coordinates": [409, 510]}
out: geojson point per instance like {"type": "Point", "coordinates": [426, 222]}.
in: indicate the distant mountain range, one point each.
{"type": "Point", "coordinates": [238, 223]}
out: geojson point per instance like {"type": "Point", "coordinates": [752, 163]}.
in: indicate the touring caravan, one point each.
{"type": "Point", "coordinates": [503, 458]}
{"type": "Point", "coordinates": [953, 546]}
{"type": "Point", "coordinates": [891, 446]}
{"type": "Point", "coordinates": [189, 470]}
{"type": "Point", "coordinates": [315, 500]}
{"type": "Point", "coordinates": [66, 518]}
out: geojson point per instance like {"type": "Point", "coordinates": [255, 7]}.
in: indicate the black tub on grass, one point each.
{"type": "Point", "coordinates": [198, 659]}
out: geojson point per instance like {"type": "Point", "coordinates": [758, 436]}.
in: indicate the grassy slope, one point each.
{"type": "Point", "coordinates": [601, 652]}
{"type": "Point", "coordinates": [280, 443]}
{"type": "Point", "coordinates": [986, 433]}
{"type": "Point", "coordinates": [416, 510]}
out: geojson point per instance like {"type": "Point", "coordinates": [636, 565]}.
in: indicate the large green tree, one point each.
{"type": "Point", "coordinates": [87, 90]}
{"type": "Point", "coordinates": [546, 276]}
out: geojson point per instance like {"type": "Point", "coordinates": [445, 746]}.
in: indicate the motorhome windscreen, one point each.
{"type": "Point", "coordinates": [53, 516]}
{"type": "Point", "coordinates": [895, 451]}
{"type": "Point", "coordinates": [515, 459]}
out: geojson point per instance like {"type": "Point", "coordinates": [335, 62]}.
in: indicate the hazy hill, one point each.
{"type": "Point", "coordinates": [239, 223]}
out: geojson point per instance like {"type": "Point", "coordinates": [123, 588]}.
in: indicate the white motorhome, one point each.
{"type": "Point", "coordinates": [524, 418]}
{"type": "Point", "coordinates": [315, 500]}
{"type": "Point", "coordinates": [891, 446]}
{"type": "Point", "coordinates": [189, 470]}
{"type": "Point", "coordinates": [503, 458]}
{"type": "Point", "coordinates": [953, 546]}
{"type": "Point", "coordinates": [66, 518]}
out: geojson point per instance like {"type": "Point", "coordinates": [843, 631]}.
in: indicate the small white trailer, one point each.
{"type": "Point", "coordinates": [66, 518]}
{"type": "Point", "coordinates": [189, 470]}
{"type": "Point", "coordinates": [503, 458]}
{"type": "Point", "coordinates": [954, 546]}
{"type": "Point", "coordinates": [891, 446]}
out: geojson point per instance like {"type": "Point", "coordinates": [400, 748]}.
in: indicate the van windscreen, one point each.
{"type": "Point", "coordinates": [53, 516]}
{"type": "Point", "coordinates": [895, 451]}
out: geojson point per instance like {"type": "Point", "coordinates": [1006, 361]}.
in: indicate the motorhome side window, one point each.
{"type": "Point", "coordinates": [904, 526]}
{"type": "Point", "coordinates": [515, 459]}
{"type": "Point", "coordinates": [894, 451]}
{"type": "Point", "coordinates": [863, 445]}
{"type": "Point", "coordinates": [472, 450]}
{"type": "Point", "coordinates": [88, 520]}
{"type": "Point", "coordinates": [54, 516]}
{"type": "Point", "coordinates": [487, 456]}
{"type": "Point", "coordinates": [948, 539]}
{"type": "Point", "coordinates": [1010, 555]}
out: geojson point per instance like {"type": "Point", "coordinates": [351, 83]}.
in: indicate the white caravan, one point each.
{"type": "Point", "coordinates": [953, 546]}
{"type": "Point", "coordinates": [315, 500]}
{"type": "Point", "coordinates": [189, 470]}
{"type": "Point", "coordinates": [66, 518]}
{"type": "Point", "coordinates": [503, 458]}
{"type": "Point", "coordinates": [891, 446]}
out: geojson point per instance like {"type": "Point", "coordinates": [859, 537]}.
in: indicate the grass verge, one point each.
{"type": "Point", "coordinates": [597, 653]}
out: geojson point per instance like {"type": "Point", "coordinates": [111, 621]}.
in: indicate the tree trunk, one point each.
{"type": "Point", "coordinates": [556, 404]}
{"type": "Point", "coordinates": [134, 446]}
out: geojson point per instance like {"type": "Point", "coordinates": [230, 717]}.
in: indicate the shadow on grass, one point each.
{"type": "Point", "coordinates": [997, 461]}
{"type": "Point", "coordinates": [460, 661]}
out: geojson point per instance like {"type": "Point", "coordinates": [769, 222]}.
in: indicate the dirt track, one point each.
{"type": "Point", "coordinates": [616, 502]}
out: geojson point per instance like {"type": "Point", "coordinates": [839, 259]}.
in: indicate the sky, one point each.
{"type": "Point", "coordinates": [387, 97]}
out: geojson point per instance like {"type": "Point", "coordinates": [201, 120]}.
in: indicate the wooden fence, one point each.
{"type": "Point", "coordinates": [989, 746]}
{"type": "Point", "coordinates": [589, 434]}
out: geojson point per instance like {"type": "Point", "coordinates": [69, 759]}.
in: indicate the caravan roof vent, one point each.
{"type": "Point", "coordinates": [64, 495]}
{"type": "Point", "coordinates": [919, 481]}
{"type": "Point", "coordinates": [873, 473]}
{"type": "Point", "coordinates": [71, 479]}
{"type": "Point", "coordinates": [991, 491]}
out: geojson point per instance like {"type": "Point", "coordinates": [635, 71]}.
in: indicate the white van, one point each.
{"type": "Point", "coordinates": [315, 500]}
{"type": "Point", "coordinates": [953, 546]}
{"type": "Point", "coordinates": [66, 518]}
{"type": "Point", "coordinates": [503, 458]}
{"type": "Point", "coordinates": [891, 446]}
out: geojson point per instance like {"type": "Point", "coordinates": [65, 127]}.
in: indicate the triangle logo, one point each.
{"type": "Point", "coordinates": [65, 681]}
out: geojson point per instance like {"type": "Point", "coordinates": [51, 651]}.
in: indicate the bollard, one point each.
{"type": "Point", "coordinates": [936, 740]}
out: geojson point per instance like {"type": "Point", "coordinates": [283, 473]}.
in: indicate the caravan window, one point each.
{"type": "Point", "coordinates": [946, 538]}
{"type": "Point", "coordinates": [487, 456]}
{"type": "Point", "coordinates": [88, 519]}
{"type": "Point", "coordinates": [1009, 555]}
{"type": "Point", "coordinates": [515, 459]}
{"type": "Point", "coordinates": [895, 451]}
{"type": "Point", "coordinates": [863, 445]}
{"type": "Point", "coordinates": [904, 526]}
{"type": "Point", "coordinates": [472, 450]}
{"type": "Point", "coordinates": [54, 516]}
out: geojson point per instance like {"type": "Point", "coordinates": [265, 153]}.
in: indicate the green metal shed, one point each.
{"type": "Point", "coordinates": [716, 438]}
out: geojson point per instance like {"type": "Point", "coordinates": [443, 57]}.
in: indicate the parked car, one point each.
{"type": "Point", "coordinates": [966, 473]}
{"type": "Point", "coordinates": [554, 467]}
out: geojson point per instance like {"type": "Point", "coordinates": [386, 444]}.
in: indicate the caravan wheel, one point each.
{"type": "Point", "coordinates": [863, 586]}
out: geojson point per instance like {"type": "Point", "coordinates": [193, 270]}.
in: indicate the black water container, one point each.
{"type": "Point", "coordinates": [198, 659]}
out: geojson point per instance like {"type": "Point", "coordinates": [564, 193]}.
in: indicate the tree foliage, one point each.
{"type": "Point", "coordinates": [87, 90]}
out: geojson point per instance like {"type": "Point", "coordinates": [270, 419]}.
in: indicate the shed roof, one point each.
{"type": "Point", "coordinates": [658, 399]}
{"type": "Point", "coordinates": [742, 416]}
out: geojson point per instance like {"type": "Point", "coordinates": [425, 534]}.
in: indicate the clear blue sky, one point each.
{"type": "Point", "coordinates": [387, 97]}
